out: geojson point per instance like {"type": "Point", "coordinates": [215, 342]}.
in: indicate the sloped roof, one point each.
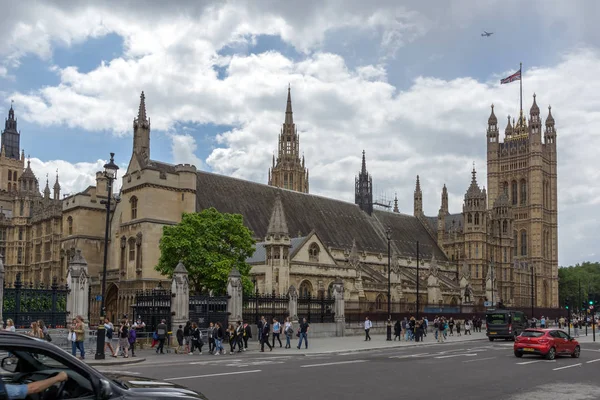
{"type": "Point", "coordinates": [336, 222]}
{"type": "Point", "coordinates": [448, 219]}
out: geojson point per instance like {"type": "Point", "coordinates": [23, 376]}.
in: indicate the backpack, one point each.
{"type": "Point", "coordinates": [109, 333]}
{"type": "Point", "coordinates": [132, 336]}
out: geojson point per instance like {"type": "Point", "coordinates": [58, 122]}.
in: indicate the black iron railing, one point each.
{"type": "Point", "coordinates": [270, 306]}
{"type": "Point", "coordinates": [316, 309]}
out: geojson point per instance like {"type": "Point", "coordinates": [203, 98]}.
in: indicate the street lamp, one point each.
{"type": "Point", "coordinates": [417, 280]}
{"type": "Point", "coordinates": [110, 173]}
{"type": "Point", "coordinates": [388, 234]}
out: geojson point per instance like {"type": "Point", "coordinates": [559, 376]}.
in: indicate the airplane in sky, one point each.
{"type": "Point", "coordinates": [486, 34]}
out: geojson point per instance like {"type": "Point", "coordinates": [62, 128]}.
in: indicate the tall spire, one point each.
{"type": "Point", "coordinates": [396, 210]}
{"type": "Point", "coordinates": [56, 188]}
{"type": "Point", "coordinates": [47, 189]}
{"type": "Point", "coordinates": [277, 224]}
{"type": "Point", "coordinates": [11, 136]}
{"type": "Point", "coordinates": [418, 199]}
{"type": "Point", "coordinates": [363, 188]}
{"type": "Point", "coordinates": [289, 115]}
{"type": "Point", "coordinates": [142, 109]}
{"type": "Point", "coordinates": [363, 169]}
{"type": "Point", "coordinates": [141, 132]}
{"type": "Point", "coordinates": [444, 208]}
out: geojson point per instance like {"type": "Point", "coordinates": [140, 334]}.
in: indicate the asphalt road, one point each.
{"type": "Point", "coordinates": [472, 370]}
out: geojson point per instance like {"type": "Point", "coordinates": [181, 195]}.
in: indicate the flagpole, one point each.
{"type": "Point", "coordinates": [521, 90]}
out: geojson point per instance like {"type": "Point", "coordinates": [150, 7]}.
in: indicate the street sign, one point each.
{"type": "Point", "coordinates": [487, 304]}
{"type": "Point", "coordinates": [591, 307]}
{"type": "Point", "coordinates": [99, 297]}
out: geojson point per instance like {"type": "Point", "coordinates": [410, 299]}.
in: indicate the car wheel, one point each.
{"type": "Point", "coordinates": [491, 339]}
{"type": "Point", "coordinates": [518, 354]}
{"type": "Point", "coordinates": [551, 354]}
{"type": "Point", "coordinates": [576, 352]}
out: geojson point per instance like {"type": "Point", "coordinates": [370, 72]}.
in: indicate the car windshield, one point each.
{"type": "Point", "coordinates": [498, 318]}
{"type": "Point", "coordinates": [532, 334]}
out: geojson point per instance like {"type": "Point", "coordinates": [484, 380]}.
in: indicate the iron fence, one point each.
{"type": "Point", "coordinates": [268, 305]}
{"type": "Point", "coordinates": [205, 309]}
{"type": "Point", "coordinates": [152, 306]}
{"type": "Point", "coordinates": [25, 304]}
{"type": "Point", "coordinates": [316, 309]}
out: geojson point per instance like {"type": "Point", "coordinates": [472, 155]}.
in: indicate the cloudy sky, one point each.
{"type": "Point", "coordinates": [410, 84]}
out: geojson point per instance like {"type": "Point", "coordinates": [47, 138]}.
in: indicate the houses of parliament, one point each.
{"type": "Point", "coordinates": [490, 248]}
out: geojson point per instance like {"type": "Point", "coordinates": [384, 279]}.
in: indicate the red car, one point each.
{"type": "Point", "coordinates": [546, 342]}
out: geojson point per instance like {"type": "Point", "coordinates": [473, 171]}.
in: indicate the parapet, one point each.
{"type": "Point", "coordinates": [185, 168]}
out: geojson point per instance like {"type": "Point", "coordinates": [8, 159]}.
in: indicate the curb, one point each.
{"type": "Point", "coordinates": [100, 363]}
{"type": "Point", "coordinates": [391, 347]}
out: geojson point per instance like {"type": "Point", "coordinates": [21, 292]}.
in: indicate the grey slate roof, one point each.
{"type": "Point", "coordinates": [449, 218]}
{"type": "Point", "coordinates": [260, 255]}
{"type": "Point", "coordinates": [336, 222]}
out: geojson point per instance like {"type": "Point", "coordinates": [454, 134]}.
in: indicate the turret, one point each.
{"type": "Point", "coordinates": [363, 188]}
{"type": "Point", "coordinates": [10, 136]}
{"type": "Point", "coordinates": [535, 132]}
{"type": "Point", "coordinates": [47, 189]}
{"type": "Point", "coordinates": [141, 132]}
{"type": "Point", "coordinates": [56, 188]}
{"type": "Point", "coordinates": [550, 133]}
{"type": "Point", "coordinates": [396, 210]}
{"type": "Point", "coordinates": [418, 199]}
{"type": "Point", "coordinates": [492, 130]}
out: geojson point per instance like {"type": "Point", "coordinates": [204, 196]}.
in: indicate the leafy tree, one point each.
{"type": "Point", "coordinates": [210, 244]}
{"type": "Point", "coordinates": [586, 275]}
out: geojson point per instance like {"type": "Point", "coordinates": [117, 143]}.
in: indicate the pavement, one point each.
{"type": "Point", "coordinates": [457, 369]}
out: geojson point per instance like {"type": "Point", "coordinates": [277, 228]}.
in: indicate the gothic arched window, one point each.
{"type": "Point", "coordinates": [70, 226]}
{"type": "Point", "coordinates": [476, 218]}
{"type": "Point", "coordinates": [515, 244]}
{"type": "Point", "coordinates": [504, 226]}
{"type": "Point", "coordinates": [523, 242]}
{"type": "Point", "coordinates": [379, 302]}
{"type": "Point", "coordinates": [515, 192]}
{"type": "Point", "coordinates": [523, 192]}
{"type": "Point", "coordinates": [131, 244]}
{"type": "Point", "coordinates": [469, 218]}
{"type": "Point", "coordinates": [505, 188]}
{"type": "Point", "coordinates": [134, 204]}
{"type": "Point", "coordinates": [313, 252]}
{"type": "Point", "coordinates": [15, 176]}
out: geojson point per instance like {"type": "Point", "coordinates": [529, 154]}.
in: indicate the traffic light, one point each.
{"type": "Point", "coordinates": [567, 303]}
{"type": "Point", "coordinates": [591, 302]}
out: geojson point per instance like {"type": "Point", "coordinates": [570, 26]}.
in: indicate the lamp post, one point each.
{"type": "Point", "coordinates": [532, 290]}
{"type": "Point", "coordinates": [110, 173]}
{"type": "Point", "coordinates": [388, 234]}
{"type": "Point", "coordinates": [417, 280]}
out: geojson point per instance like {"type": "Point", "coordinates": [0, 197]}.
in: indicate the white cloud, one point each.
{"type": "Point", "coordinates": [434, 128]}
{"type": "Point", "coordinates": [73, 177]}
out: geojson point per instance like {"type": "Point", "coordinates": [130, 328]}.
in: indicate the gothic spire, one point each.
{"type": "Point", "coordinates": [363, 169]}
{"type": "Point", "coordinates": [277, 224]}
{"type": "Point", "coordinates": [396, 210]}
{"type": "Point", "coordinates": [534, 110]}
{"type": "Point", "coordinates": [289, 116]}
{"type": "Point", "coordinates": [142, 109]}
{"type": "Point", "coordinates": [492, 120]}
{"type": "Point", "coordinates": [444, 208]}
{"type": "Point", "coordinates": [363, 188]}
{"type": "Point", "coordinates": [56, 188]}
{"type": "Point", "coordinates": [418, 199]}
{"type": "Point", "coordinates": [550, 118]}
{"type": "Point", "coordinates": [47, 189]}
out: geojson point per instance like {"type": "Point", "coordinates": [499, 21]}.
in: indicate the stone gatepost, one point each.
{"type": "Point", "coordinates": [79, 282]}
{"type": "Point", "coordinates": [180, 297]}
{"type": "Point", "coordinates": [293, 304]}
{"type": "Point", "coordinates": [340, 318]}
{"type": "Point", "coordinates": [1, 286]}
{"type": "Point", "coordinates": [235, 300]}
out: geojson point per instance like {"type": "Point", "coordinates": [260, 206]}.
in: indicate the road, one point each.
{"type": "Point", "coordinates": [471, 370]}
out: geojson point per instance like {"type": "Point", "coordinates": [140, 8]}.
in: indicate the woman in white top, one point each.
{"type": "Point", "coordinates": [10, 326]}
{"type": "Point", "coordinates": [288, 329]}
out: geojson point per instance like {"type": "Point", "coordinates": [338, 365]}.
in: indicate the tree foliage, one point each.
{"type": "Point", "coordinates": [570, 278]}
{"type": "Point", "coordinates": [210, 244]}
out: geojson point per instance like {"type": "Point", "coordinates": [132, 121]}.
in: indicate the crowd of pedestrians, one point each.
{"type": "Point", "coordinates": [413, 329]}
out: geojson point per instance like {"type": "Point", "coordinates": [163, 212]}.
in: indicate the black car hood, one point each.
{"type": "Point", "coordinates": [152, 388]}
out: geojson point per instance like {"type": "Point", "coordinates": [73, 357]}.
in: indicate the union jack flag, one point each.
{"type": "Point", "coordinates": [514, 77]}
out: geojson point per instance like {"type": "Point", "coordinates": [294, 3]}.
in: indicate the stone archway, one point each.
{"type": "Point", "coordinates": [305, 289]}
{"type": "Point", "coordinates": [111, 302]}
{"type": "Point", "coordinates": [454, 302]}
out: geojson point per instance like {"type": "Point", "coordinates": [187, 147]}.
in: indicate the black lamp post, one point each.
{"type": "Point", "coordinates": [110, 173]}
{"type": "Point", "coordinates": [417, 280]}
{"type": "Point", "coordinates": [388, 234]}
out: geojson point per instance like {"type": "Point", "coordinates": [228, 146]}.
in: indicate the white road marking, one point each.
{"type": "Point", "coordinates": [458, 355]}
{"type": "Point", "coordinates": [120, 372]}
{"type": "Point", "coordinates": [591, 350]}
{"type": "Point", "coordinates": [479, 359]}
{"type": "Point", "coordinates": [413, 355]}
{"type": "Point", "coordinates": [212, 375]}
{"type": "Point", "coordinates": [534, 361]}
{"type": "Point", "coordinates": [333, 363]}
{"type": "Point", "coordinates": [226, 360]}
{"type": "Point", "coordinates": [568, 366]}
{"type": "Point", "coordinates": [592, 361]}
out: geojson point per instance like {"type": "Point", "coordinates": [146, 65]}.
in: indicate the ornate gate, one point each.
{"type": "Point", "coordinates": [152, 306]}
{"type": "Point", "coordinates": [206, 309]}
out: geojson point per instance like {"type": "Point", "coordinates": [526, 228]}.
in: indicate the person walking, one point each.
{"type": "Point", "coordinates": [303, 331]}
{"type": "Point", "coordinates": [124, 338]}
{"type": "Point", "coordinates": [264, 339]}
{"type": "Point", "coordinates": [368, 326]}
{"type": "Point", "coordinates": [187, 336]}
{"type": "Point", "coordinates": [397, 330]}
{"type": "Point", "coordinates": [211, 338]}
{"type": "Point", "coordinates": [467, 327]}
{"type": "Point", "coordinates": [195, 339]}
{"type": "Point", "coordinates": [219, 335]}
{"type": "Point", "coordinates": [239, 336]}
{"type": "Point", "coordinates": [109, 331]}
{"type": "Point", "coordinates": [247, 335]}
{"type": "Point", "coordinates": [388, 329]}
{"type": "Point", "coordinates": [231, 337]}
{"type": "Point", "coordinates": [179, 336]}
{"type": "Point", "coordinates": [161, 332]}
{"type": "Point", "coordinates": [276, 331]}
{"type": "Point", "coordinates": [131, 339]}
{"type": "Point", "coordinates": [79, 330]}
{"type": "Point", "coordinates": [288, 329]}
{"type": "Point", "coordinates": [457, 327]}
{"type": "Point", "coordinates": [451, 326]}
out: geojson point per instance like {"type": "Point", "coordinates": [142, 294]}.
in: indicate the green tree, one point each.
{"type": "Point", "coordinates": [210, 244]}
{"type": "Point", "coordinates": [586, 276]}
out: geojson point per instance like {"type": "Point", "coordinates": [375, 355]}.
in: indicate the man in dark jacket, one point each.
{"type": "Point", "coordinates": [265, 335]}
{"type": "Point", "coordinates": [161, 331]}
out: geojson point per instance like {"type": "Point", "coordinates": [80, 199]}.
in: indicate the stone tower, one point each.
{"type": "Point", "coordinates": [289, 171]}
{"type": "Point", "coordinates": [523, 167]}
{"type": "Point", "coordinates": [363, 188]}
{"type": "Point", "coordinates": [441, 226]}
{"type": "Point", "coordinates": [418, 199]}
{"type": "Point", "coordinates": [141, 132]}
{"type": "Point", "coordinates": [10, 136]}
{"type": "Point", "coordinates": [277, 247]}
{"type": "Point", "coordinates": [500, 240]}
{"type": "Point", "coordinates": [475, 232]}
